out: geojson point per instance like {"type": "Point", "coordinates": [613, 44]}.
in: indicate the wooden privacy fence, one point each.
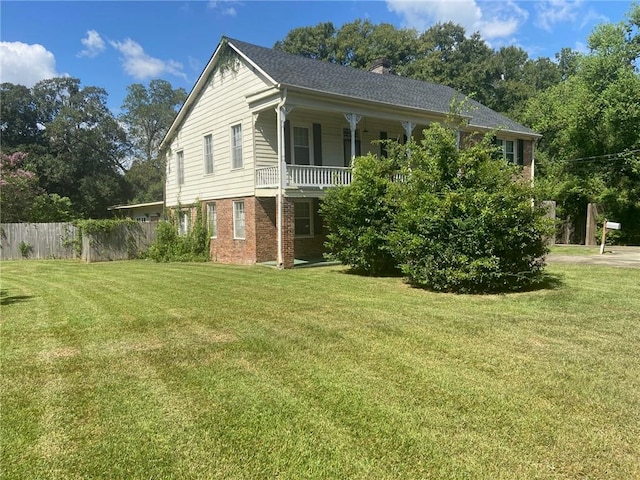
{"type": "Point", "coordinates": [63, 241]}
{"type": "Point", "coordinates": [37, 240]}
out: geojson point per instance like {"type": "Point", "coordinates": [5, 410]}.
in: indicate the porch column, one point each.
{"type": "Point", "coordinates": [408, 128]}
{"type": "Point", "coordinates": [281, 112]}
{"type": "Point", "coordinates": [408, 131]}
{"type": "Point", "coordinates": [353, 120]}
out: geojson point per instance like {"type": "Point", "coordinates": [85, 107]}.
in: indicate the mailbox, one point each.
{"type": "Point", "coordinates": [612, 226]}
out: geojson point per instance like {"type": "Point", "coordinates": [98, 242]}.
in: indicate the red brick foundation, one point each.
{"type": "Point", "coordinates": [259, 244]}
{"type": "Point", "coordinates": [261, 235]}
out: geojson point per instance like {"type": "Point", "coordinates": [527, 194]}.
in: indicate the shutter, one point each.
{"type": "Point", "coordinates": [520, 159]}
{"type": "Point", "coordinates": [287, 141]}
{"type": "Point", "coordinates": [317, 144]}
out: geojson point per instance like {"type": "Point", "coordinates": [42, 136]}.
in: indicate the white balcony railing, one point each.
{"type": "Point", "coordinates": [304, 176]}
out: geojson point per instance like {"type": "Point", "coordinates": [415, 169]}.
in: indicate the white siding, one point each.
{"type": "Point", "coordinates": [220, 105]}
{"type": "Point", "coordinates": [266, 137]}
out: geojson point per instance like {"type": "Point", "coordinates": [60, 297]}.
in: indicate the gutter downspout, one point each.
{"type": "Point", "coordinates": [281, 160]}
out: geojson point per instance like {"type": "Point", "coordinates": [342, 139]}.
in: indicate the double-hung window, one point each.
{"type": "Point", "coordinates": [509, 151]}
{"type": "Point", "coordinates": [180, 168]}
{"type": "Point", "coordinates": [508, 148]}
{"type": "Point", "coordinates": [183, 222]}
{"type": "Point", "coordinates": [236, 146]}
{"type": "Point", "coordinates": [207, 148]}
{"type": "Point", "coordinates": [301, 146]}
{"type": "Point", "coordinates": [212, 220]}
{"type": "Point", "coordinates": [239, 228]}
{"type": "Point", "coordinates": [303, 218]}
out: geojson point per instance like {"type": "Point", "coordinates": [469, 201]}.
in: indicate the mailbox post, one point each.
{"type": "Point", "coordinates": [605, 227]}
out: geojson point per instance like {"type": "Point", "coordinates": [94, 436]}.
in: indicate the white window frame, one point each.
{"type": "Point", "coordinates": [237, 160]}
{"type": "Point", "coordinates": [502, 143]}
{"type": "Point", "coordinates": [308, 202]}
{"type": "Point", "coordinates": [184, 222]}
{"type": "Point", "coordinates": [239, 220]}
{"type": "Point", "coordinates": [180, 167]}
{"type": "Point", "coordinates": [208, 155]}
{"type": "Point", "coordinates": [212, 220]}
{"type": "Point", "coordinates": [309, 146]}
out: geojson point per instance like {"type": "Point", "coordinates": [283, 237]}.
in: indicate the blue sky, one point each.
{"type": "Point", "coordinates": [116, 43]}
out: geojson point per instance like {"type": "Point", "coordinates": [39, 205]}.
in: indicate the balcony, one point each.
{"type": "Point", "coordinates": [300, 176]}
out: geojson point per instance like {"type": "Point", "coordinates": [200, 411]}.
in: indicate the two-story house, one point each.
{"type": "Point", "coordinates": [263, 133]}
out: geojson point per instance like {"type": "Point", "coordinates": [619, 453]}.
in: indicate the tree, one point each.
{"type": "Point", "coordinates": [86, 146]}
{"type": "Point", "coordinates": [147, 115]}
{"type": "Point", "coordinates": [316, 42]}
{"type": "Point", "coordinates": [590, 129]}
{"type": "Point", "coordinates": [18, 188]}
{"type": "Point", "coordinates": [18, 117]}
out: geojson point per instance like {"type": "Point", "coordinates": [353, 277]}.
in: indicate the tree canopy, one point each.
{"type": "Point", "coordinates": [75, 159]}
{"type": "Point", "coordinates": [147, 115]}
{"type": "Point", "coordinates": [590, 125]}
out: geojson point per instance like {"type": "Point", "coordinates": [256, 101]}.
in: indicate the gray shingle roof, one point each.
{"type": "Point", "coordinates": [297, 71]}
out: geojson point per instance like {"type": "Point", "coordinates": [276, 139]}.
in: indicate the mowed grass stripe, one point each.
{"type": "Point", "coordinates": [206, 371]}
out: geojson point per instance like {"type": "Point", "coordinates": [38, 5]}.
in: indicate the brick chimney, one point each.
{"type": "Point", "coordinates": [381, 65]}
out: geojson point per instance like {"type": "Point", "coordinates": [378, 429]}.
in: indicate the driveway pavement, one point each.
{"type": "Point", "coordinates": [614, 256]}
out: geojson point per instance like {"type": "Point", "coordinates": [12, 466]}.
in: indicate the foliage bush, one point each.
{"type": "Point", "coordinates": [359, 217]}
{"type": "Point", "coordinates": [457, 220]}
{"type": "Point", "coordinates": [170, 246]}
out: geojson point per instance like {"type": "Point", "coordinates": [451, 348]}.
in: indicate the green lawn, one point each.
{"type": "Point", "coordinates": [135, 370]}
{"type": "Point", "coordinates": [577, 249]}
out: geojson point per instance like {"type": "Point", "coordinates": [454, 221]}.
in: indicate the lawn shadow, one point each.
{"type": "Point", "coordinates": [6, 299]}
{"type": "Point", "coordinates": [361, 273]}
{"type": "Point", "coordinates": [548, 281]}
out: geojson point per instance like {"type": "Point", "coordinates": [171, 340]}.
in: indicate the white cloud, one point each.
{"type": "Point", "coordinates": [550, 12]}
{"type": "Point", "coordinates": [25, 64]}
{"type": "Point", "coordinates": [93, 45]}
{"type": "Point", "coordinates": [491, 19]}
{"type": "Point", "coordinates": [142, 66]}
{"type": "Point", "coordinates": [223, 7]}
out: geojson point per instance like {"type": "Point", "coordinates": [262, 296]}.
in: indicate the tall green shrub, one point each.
{"type": "Point", "coordinates": [170, 246]}
{"type": "Point", "coordinates": [466, 220]}
{"type": "Point", "coordinates": [358, 218]}
{"type": "Point", "coordinates": [450, 219]}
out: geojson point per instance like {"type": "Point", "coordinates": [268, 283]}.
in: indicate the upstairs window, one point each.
{"type": "Point", "coordinates": [508, 148]}
{"type": "Point", "coordinates": [180, 168]}
{"type": "Point", "coordinates": [208, 154]}
{"type": "Point", "coordinates": [301, 146]}
{"type": "Point", "coordinates": [236, 146]}
{"type": "Point", "coordinates": [509, 151]}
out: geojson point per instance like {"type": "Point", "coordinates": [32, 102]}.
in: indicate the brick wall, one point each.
{"type": "Point", "coordinates": [288, 233]}
{"type": "Point", "coordinates": [309, 248]}
{"type": "Point", "coordinates": [261, 239]}
{"type": "Point", "coordinates": [266, 232]}
{"type": "Point", "coordinates": [224, 248]}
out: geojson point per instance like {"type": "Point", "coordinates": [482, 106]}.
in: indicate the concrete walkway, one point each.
{"type": "Point", "coordinates": [614, 256]}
